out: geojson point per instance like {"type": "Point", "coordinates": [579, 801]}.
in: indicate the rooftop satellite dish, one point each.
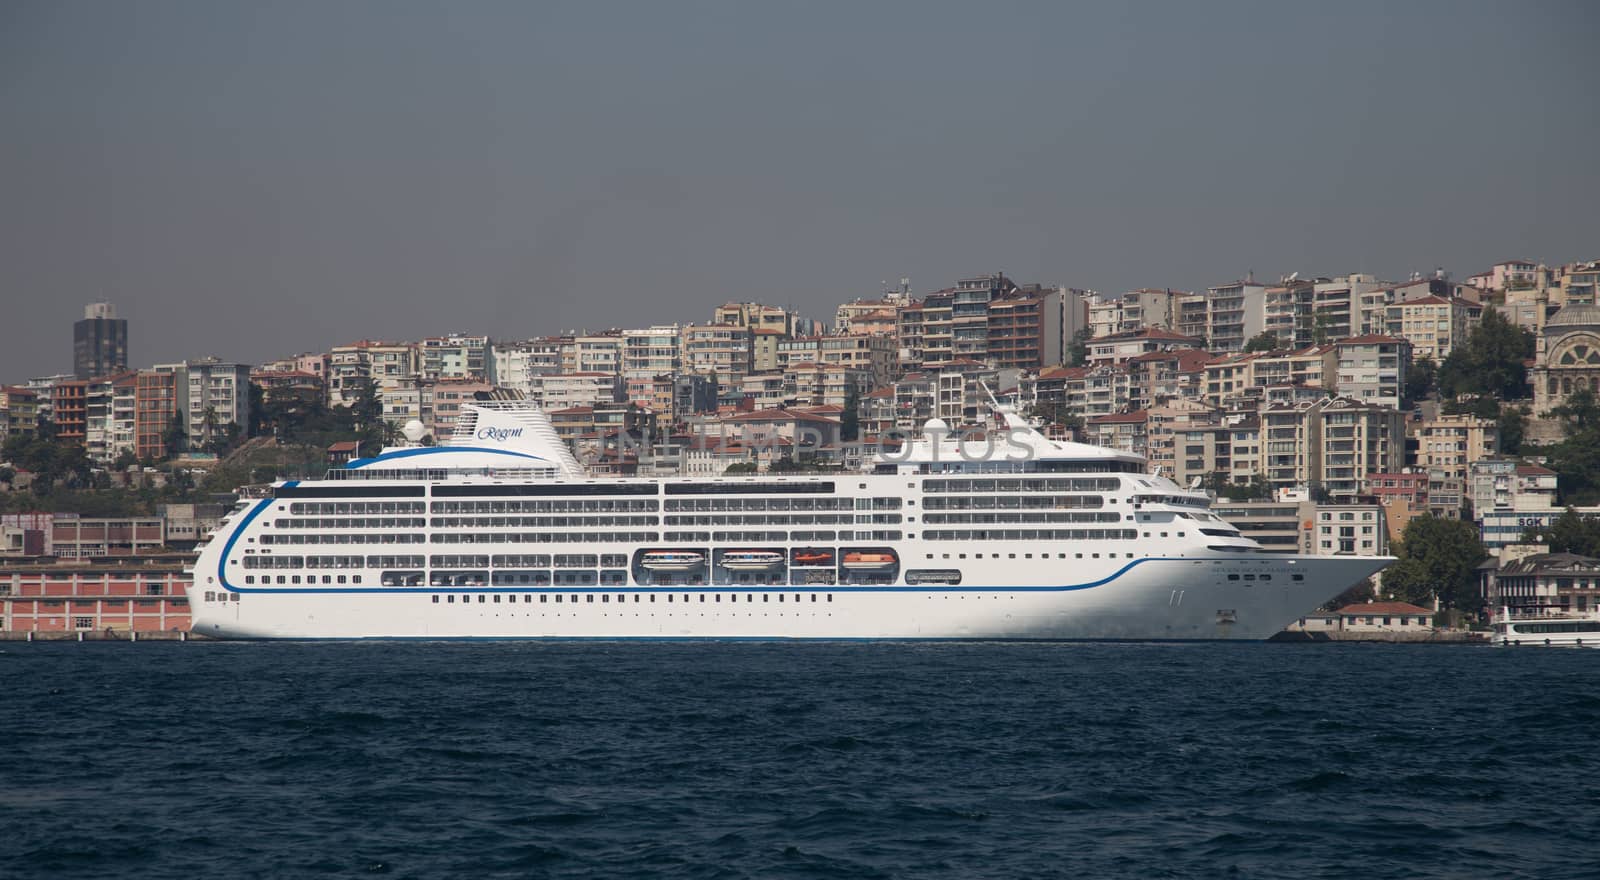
{"type": "Point", "coordinates": [413, 431]}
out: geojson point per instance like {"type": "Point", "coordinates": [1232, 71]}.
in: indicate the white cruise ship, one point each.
{"type": "Point", "coordinates": [499, 533]}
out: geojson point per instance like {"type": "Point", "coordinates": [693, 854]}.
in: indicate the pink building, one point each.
{"type": "Point", "coordinates": [146, 594]}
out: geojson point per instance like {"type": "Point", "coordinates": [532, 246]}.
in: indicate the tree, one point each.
{"type": "Point", "coordinates": [1364, 591]}
{"type": "Point", "coordinates": [1512, 427]}
{"type": "Point", "coordinates": [1490, 361]}
{"type": "Point", "coordinates": [1054, 412]}
{"type": "Point", "coordinates": [1420, 379]}
{"type": "Point", "coordinates": [1266, 340]}
{"type": "Point", "coordinates": [367, 407]}
{"type": "Point", "coordinates": [850, 419]}
{"type": "Point", "coordinates": [1579, 413]}
{"type": "Point", "coordinates": [175, 438]}
{"type": "Point", "coordinates": [1576, 459]}
{"type": "Point", "coordinates": [258, 411]}
{"type": "Point", "coordinates": [1255, 490]}
{"type": "Point", "coordinates": [1078, 348]}
{"type": "Point", "coordinates": [1481, 405]}
{"type": "Point", "coordinates": [1438, 559]}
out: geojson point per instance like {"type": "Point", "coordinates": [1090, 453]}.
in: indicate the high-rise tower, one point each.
{"type": "Point", "coordinates": [99, 342]}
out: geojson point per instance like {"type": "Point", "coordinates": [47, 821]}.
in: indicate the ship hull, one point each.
{"type": "Point", "coordinates": [1144, 599]}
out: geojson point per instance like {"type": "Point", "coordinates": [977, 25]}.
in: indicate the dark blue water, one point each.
{"type": "Point", "coordinates": [807, 760]}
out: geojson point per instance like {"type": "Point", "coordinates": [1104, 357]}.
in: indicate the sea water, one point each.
{"type": "Point", "coordinates": [828, 760]}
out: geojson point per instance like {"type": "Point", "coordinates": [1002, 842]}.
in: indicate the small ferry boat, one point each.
{"type": "Point", "coordinates": [671, 560]}
{"type": "Point", "coordinates": [1546, 630]}
{"type": "Point", "coordinates": [751, 560]}
{"type": "Point", "coordinates": [857, 559]}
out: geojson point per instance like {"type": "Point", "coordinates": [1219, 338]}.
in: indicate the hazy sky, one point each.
{"type": "Point", "coordinates": [257, 179]}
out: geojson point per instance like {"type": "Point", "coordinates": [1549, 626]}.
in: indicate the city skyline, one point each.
{"type": "Point", "coordinates": [236, 185]}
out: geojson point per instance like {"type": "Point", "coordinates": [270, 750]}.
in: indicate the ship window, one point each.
{"type": "Point", "coordinates": [1298, 577]}
{"type": "Point", "coordinates": [830, 597]}
{"type": "Point", "coordinates": [482, 599]}
{"type": "Point", "coordinates": [1233, 577]}
{"type": "Point", "coordinates": [341, 578]}
{"type": "Point", "coordinates": [766, 597]}
{"type": "Point", "coordinates": [249, 578]}
{"type": "Point", "coordinates": [497, 599]}
{"type": "Point", "coordinates": [449, 599]}
{"type": "Point", "coordinates": [355, 579]}
{"type": "Point", "coordinates": [543, 599]}
{"type": "Point", "coordinates": [294, 579]}
{"type": "Point", "coordinates": [435, 598]}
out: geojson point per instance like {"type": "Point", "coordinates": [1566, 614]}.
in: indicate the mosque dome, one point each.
{"type": "Point", "coordinates": [1575, 315]}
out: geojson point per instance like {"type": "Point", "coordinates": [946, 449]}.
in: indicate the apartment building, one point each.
{"type": "Point", "coordinates": [1296, 524]}
{"type": "Point", "coordinates": [720, 350]}
{"type": "Point", "coordinates": [448, 396]}
{"type": "Point", "coordinates": [69, 410]}
{"type": "Point", "coordinates": [1336, 307]}
{"type": "Point", "coordinates": [19, 411]}
{"type": "Point", "coordinates": [455, 356]}
{"type": "Point", "coordinates": [812, 384]}
{"type": "Point", "coordinates": [1284, 306]}
{"type": "Point", "coordinates": [1134, 310]}
{"type": "Point", "coordinates": [764, 349]}
{"type": "Point", "coordinates": [868, 317]}
{"type": "Point", "coordinates": [566, 390]}
{"type": "Point", "coordinates": [351, 366]}
{"type": "Point", "coordinates": [1507, 275]}
{"type": "Point", "coordinates": [1450, 444]}
{"type": "Point", "coordinates": [1167, 375]}
{"type": "Point", "coordinates": [403, 402]}
{"type": "Point", "coordinates": [515, 365]}
{"type": "Point", "coordinates": [756, 316]}
{"type": "Point", "coordinates": [1355, 438]}
{"type": "Point", "coordinates": [109, 416]}
{"type": "Point", "coordinates": [1119, 348]}
{"type": "Point", "coordinates": [1505, 484]}
{"type": "Point", "coordinates": [1234, 313]}
{"type": "Point", "coordinates": [1434, 325]}
{"type": "Point", "coordinates": [1372, 369]}
{"type": "Point", "coordinates": [213, 394]}
{"type": "Point", "coordinates": [649, 353]}
{"type": "Point", "coordinates": [1124, 432]}
{"type": "Point", "coordinates": [155, 403]}
{"type": "Point", "coordinates": [1188, 440]}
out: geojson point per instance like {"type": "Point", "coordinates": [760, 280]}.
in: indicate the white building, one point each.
{"type": "Point", "coordinates": [565, 390]}
{"type": "Point", "coordinates": [517, 365]}
{"type": "Point", "coordinates": [1372, 369]}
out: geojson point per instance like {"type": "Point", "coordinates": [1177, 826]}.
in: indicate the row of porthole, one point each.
{"type": "Point", "coordinates": [638, 598]}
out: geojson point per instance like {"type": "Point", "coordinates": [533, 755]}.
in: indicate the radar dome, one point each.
{"type": "Point", "coordinates": [413, 431]}
{"type": "Point", "coordinates": [932, 426]}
